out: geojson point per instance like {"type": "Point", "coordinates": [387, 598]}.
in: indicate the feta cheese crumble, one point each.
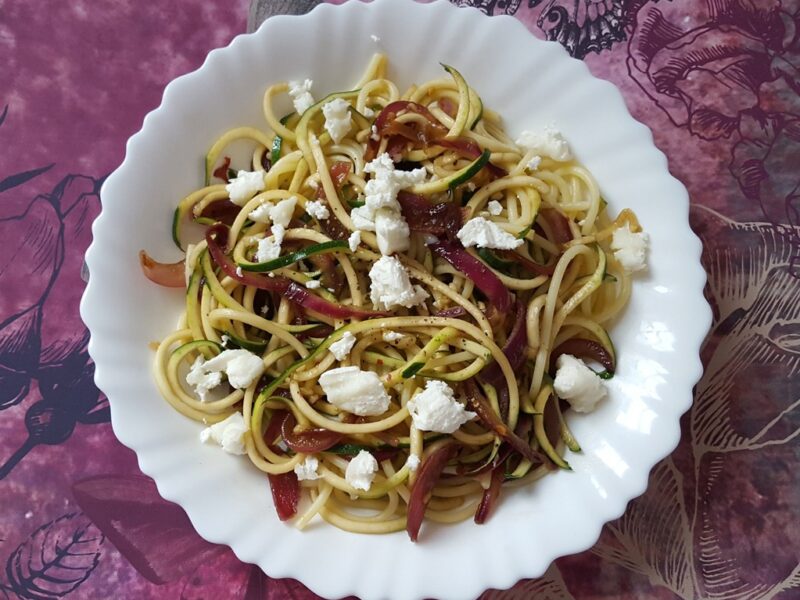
{"type": "Point", "coordinates": [201, 380]}
{"type": "Point", "coordinates": [241, 366]}
{"type": "Point", "coordinates": [630, 249]}
{"type": "Point", "coordinates": [268, 249]}
{"type": "Point", "coordinates": [229, 434]}
{"type": "Point", "coordinates": [318, 210]}
{"type": "Point", "coordinates": [436, 409]}
{"type": "Point", "coordinates": [281, 213]}
{"type": "Point", "coordinates": [412, 462]}
{"type": "Point", "coordinates": [486, 234]}
{"type": "Point", "coordinates": [392, 336]}
{"type": "Point", "coordinates": [278, 214]}
{"type": "Point", "coordinates": [391, 286]}
{"type": "Point", "coordinates": [300, 91]}
{"type": "Point", "coordinates": [534, 163]}
{"type": "Point", "coordinates": [494, 208]}
{"type": "Point", "coordinates": [337, 118]}
{"type": "Point", "coordinates": [381, 210]}
{"type": "Point", "coordinates": [244, 186]}
{"type": "Point", "coordinates": [577, 384]}
{"type": "Point", "coordinates": [548, 142]}
{"type": "Point", "coordinates": [392, 231]}
{"type": "Point", "coordinates": [354, 240]}
{"type": "Point", "coordinates": [307, 470]}
{"type": "Point", "coordinates": [341, 347]}
{"type": "Point", "coordinates": [260, 214]}
{"type": "Point", "coordinates": [355, 391]}
{"type": "Point", "coordinates": [313, 284]}
{"type": "Point", "coordinates": [278, 231]}
{"type": "Point", "coordinates": [361, 470]}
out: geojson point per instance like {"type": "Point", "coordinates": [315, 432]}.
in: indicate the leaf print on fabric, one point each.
{"type": "Point", "coordinates": [154, 535]}
{"type": "Point", "coordinates": [719, 517]}
{"type": "Point", "coordinates": [653, 537]}
{"type": "Point", "coordinates": [757, 301]}
{"type": "Point", "coordinates": [57, 558]}
{"type": "Point", "coordinates": [549, 586]}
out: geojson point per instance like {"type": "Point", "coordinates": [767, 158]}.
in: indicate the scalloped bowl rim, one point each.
{"type": "Point", "coordinates": [637, 401]}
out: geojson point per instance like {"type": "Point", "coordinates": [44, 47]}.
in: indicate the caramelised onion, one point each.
{"type": "Point", "coordinates": [309, 301]}
{"type": "Point", "coordinates": [513, 349]}
{"type": "Point", "coordinates": [428, 474]}
{"type": "Point", "coordinates": [559, 225]}
{"type": "Point", "coordinates": [285, 493]}
{"type": "Point", "coordinates": [469, 148]}
{"type": "Point", "coordinates": [221, 172]}
{"type": "Point", "coordinates": [583, 348]}
{"type": "Point", "coordinates": [308, 441]}
{"type": "Point", "coordinates": [491, 419]}
{"type": "Point", "coordinates": [477, 272]}
{"type": "Point", "coordinates": [222, 210]}
{"type": "Point", "coordinates": [490, 495]}
{"type": "Point", "coordinates": [454, 312]}
{"type": "Point", "coordinates": [399, 135]}
{"type": "Point", "coordinates": [166, 274]}
{"type": "Point", "coordinates": [217, 240]}
{"type": "Point", "coordinates": [444, 219]}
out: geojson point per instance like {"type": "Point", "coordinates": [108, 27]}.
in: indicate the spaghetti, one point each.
{"type": "Point", "coordinates": [403, 239]}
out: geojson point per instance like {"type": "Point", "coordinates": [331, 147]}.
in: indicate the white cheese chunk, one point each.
{"type": "Point", "coordinates": [281, 213]}
{"type": "Point", "coordinates": [278, 232]}
{"type": "Point", "coordinates": [547, 142]}
{"type": "Point", "coordinates": [360, 472]}
{"type": "Point", "coordinates": [354, 240]}
{"type": "Point", "coordinates": [201, 380]}
{"type": "Point", "coordinates": [337, 118]}
{"type": "Point", "coordinates": [630, 249]}
{"type": "Point", "coordinates": [534, 162]}
{"type": "Point", "coordinates": [268, 249]}
{"type": "Point", "coordinates": [486, 234]}
{"type": "Point", "coordinates": [318, 210]}
{"type": "Point", "coordinates": [381, 211]}
{"type": "Point", "coordinates": [241, 366]}
{"type": "Point", "coordinates": [577, 384]}
{"type": "Point", "coordinates": [244, 186]}
{"type": "Point", "coordinates": [494, 208]}
{"type": "Point", "coordinates": [392, 336]}
{"type": "Point", "coordinates": [436, 409]}
{"type": "Point", "coordinates": [341, 347]}
{"type": "Point", "coordinates": [391, 286]}
{"type": "Point", "coordinates": [355, 391]}
{"type": "Point", "coordinates": [412, 462]}
{"type": "Point", "coordinates": [307, 470]}
{"type": "Point", "coordinates": [392, 231]}
{"type": "Point", "coordinates": [260, 214]}
{"type": "Point", "coordinates": [300, 91]}
{"type": "Point", "coordinates": [363, 218]}
{"type": "Point", "coordinates": [229, 434]}
{"type": "Point", "coordinates": [313, 284]}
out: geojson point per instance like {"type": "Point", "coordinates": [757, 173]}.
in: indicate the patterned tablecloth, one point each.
{"type": "Point", "coordinates": [718, 81]}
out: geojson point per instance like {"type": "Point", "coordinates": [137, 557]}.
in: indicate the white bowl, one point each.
{"type": "Point", "coordinates": [531, 83]}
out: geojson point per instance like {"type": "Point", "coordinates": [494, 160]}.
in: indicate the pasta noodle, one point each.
{"type": "Point", "coordinates": [487, 320]}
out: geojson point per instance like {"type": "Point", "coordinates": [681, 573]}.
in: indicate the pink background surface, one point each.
{"type": "Point", "coordinates": [719, 84]}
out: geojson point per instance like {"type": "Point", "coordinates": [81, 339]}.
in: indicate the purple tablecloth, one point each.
{"type": "Point", "coordinates": [719, 84]}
